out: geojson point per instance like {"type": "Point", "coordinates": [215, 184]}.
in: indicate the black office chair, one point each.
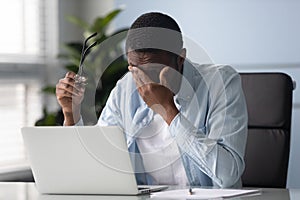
{"type": "Point", "coordinates": [269, 102]}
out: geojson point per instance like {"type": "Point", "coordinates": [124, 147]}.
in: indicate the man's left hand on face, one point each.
{"type": "Point", "coordinates": [157, 96]}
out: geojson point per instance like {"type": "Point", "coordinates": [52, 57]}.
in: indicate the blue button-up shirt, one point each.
{"type": "Point", "coordinates": [210, 129]}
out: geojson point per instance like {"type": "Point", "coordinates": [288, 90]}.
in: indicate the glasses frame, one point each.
{"type": "Point", "coordinates": [84, 52]}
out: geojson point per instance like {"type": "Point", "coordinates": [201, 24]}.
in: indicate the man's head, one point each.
{"type": "Point", "coordinates": [152, 31]}
{"type": "Point", "coordinates": [155, 38]}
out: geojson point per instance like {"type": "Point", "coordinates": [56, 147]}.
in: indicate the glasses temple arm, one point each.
{"type": "Point", "coordinates": [83, 51]}
{"type": "Point", "coordinates": [84, 56]}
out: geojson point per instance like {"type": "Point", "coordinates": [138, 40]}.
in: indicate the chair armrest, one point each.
{"type": "Point", "coordinates": [294, 85]}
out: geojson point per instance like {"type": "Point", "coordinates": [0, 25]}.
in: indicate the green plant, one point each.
{"type": "Point", "coordinates": [93, 67]}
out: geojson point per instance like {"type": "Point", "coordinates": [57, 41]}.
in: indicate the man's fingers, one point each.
{"type": "Point", "coordinates": [68, 80]}
{"type": "Point", "coordinates": [170, 78]}
{"type": "Point", "coordinates": [74, 93]}
{"type": "Point", "coordinates": [164, 76]}
{"type": "Point", "coordinates": [70, 75]}
{"type": "Point", "coordinates": [143, 76]}
{"type": "Point", "coordinates": [135, 74]}
{"type": "Point", "coordinates": [139, 76]}
{"type": "Point", "coordinates": [62, 94]}
{"type": "Point", "coordinates": [70, 83]}
{"type": "Point", "coordinates": [69, 89]}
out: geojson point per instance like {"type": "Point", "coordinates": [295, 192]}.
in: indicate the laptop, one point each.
{"type": "Point", "coordinates": [81, 160]}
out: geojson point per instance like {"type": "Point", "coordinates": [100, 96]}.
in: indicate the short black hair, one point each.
{"type": "Point", "coordinates": [154, 32]}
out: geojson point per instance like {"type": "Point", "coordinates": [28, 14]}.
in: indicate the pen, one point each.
{"type": "Point", "coordinates": [190, 191]}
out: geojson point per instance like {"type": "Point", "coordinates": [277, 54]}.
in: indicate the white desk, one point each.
{"type": "Point", "coordinates": [27, 191]}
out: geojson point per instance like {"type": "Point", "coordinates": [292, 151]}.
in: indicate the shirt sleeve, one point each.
{"type": "Point", "coordinates": [111, 115]}
{"type": "Point", "coordinates": [80, 122]}
{"type": "Point", "coordinates": [218, 150]}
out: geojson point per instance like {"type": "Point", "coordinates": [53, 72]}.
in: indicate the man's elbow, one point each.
{"type": "Point", "coordinates": [232, 179]}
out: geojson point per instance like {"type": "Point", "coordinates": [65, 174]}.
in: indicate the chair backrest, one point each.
{"type": "Point", "coordinates": [269, 103]}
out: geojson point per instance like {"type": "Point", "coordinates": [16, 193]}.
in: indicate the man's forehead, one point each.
{"type": "Point", "coordinates": [138, 58]}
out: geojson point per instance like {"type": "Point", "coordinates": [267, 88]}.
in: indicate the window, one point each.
{"type": "Point", "coordinates": [21, 35]}
{"type": "Point", "coordinates": [19, 107]}
{"type": "Point", "coordinates": [22, 70]}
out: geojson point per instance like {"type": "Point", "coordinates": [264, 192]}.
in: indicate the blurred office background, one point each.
{"type": "Point", "coordinates": [255, 36]}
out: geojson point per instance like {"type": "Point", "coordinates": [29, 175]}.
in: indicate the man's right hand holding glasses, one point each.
{"type": "Point", "coordinates": [70, 89]}
{"type": "Point", "coordinates": [69, 96]}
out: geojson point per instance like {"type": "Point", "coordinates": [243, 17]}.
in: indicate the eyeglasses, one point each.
{"type": "Point", "coordinates": [79, 79]}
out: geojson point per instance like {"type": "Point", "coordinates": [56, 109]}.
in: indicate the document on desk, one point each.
{"type": "Point", "coordinates": [199, 193]}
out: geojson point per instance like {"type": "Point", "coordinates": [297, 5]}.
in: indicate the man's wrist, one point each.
{"type": "Point", "coordinates": [71, 118]}
{"type": "Point", "coordinates": [172, 111]}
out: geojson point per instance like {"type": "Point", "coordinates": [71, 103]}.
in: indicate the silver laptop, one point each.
{"type": "Point", "coordinates": [81, 160]}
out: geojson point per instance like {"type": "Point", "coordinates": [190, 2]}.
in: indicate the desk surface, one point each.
{"type": "Point", "coordinates": [27, 191]}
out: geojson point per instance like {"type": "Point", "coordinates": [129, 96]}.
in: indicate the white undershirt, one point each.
{"type": "Point", "coordinates": [160, 154]}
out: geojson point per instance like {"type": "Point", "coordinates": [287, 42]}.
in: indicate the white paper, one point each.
{"type": "Point", "coordinates": [199, 193]}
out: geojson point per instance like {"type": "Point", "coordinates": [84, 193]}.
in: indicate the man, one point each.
{"type": "Point", "coordinates": [185, 124]}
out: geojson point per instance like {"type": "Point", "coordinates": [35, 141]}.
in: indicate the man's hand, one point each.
{"type": "Point", "coordinates": [157, 96]}
{"type": "Point", "coordinates": [69, 97]}
{"type": "Point", "coordinates": [171, 79]}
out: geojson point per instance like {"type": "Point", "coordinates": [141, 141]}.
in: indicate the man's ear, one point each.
{"type": "Point", "coordinates": [181, 59]}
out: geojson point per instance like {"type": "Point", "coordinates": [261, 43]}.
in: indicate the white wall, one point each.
{"type": "Point", "coordinates": [250, 35]}
{"type": "Point", "coordinates": [87, 10]}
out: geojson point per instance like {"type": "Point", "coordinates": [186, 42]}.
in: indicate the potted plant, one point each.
{"type": "Point", "coordinates": [93, 67]}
